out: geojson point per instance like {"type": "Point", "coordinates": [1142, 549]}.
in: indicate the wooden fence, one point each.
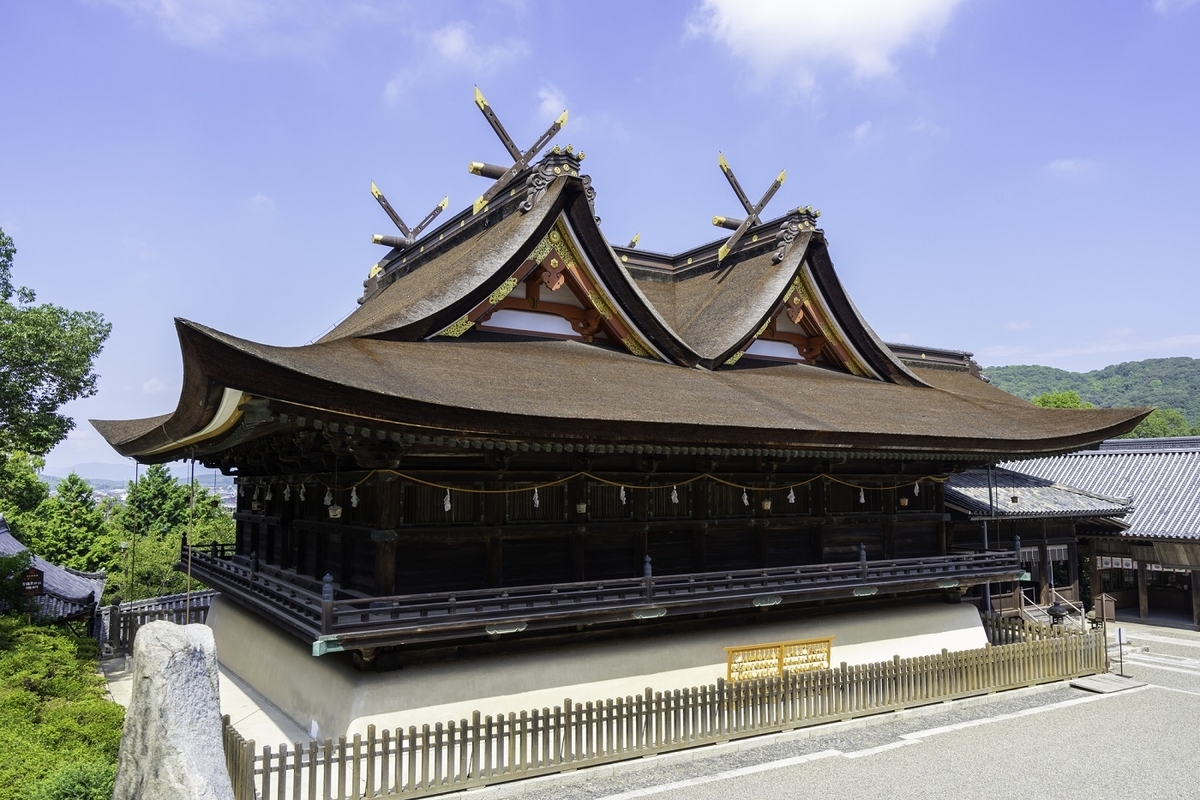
{"type": "Point", "coordinates": [452, 756]}
{"type": "Point", "coordinates": [121, 623]}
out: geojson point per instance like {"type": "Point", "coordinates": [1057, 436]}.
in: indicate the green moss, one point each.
{"type": "Point", "coordinates": [58, 731]}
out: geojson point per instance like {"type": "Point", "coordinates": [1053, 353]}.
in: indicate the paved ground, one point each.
{"type": "Point", "coordinates": [1050, 742]}
{"type": "Point", "coordinates": [253, 716]}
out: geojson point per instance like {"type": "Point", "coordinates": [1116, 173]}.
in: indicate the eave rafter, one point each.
{"type": "Point", "coordinates": [554, 264]}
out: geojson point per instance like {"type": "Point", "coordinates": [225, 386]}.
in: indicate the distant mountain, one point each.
{"type": "Point", "coordinates": [105, 475]}
{"type": "Point", "coordinates": [1162, 382]}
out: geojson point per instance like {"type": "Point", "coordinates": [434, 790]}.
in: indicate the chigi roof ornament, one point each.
{"type": "Point", "coordinates": [410, 235]}
{"type": "Point", "coordinates": [753, 212]}
{"type": "Point", "coordinates": [503, 176]}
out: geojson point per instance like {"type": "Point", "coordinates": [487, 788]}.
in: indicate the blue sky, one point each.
{"type": "Point", "coordinates": [1011, 178]}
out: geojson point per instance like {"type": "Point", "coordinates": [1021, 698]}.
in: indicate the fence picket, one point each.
{"type": "Point", "coordinates": [505, 747]}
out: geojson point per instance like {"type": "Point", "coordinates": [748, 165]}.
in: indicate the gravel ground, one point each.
{"type": "Point", "coordinates": [1054, 741]}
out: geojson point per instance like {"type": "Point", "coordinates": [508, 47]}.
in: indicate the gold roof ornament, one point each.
{"type": "Point", "coordinates": [409, 237]}
{"type": "Point", "coordinates": [753, 212]}
{"type": "Point", "coordinates": [504, 175]}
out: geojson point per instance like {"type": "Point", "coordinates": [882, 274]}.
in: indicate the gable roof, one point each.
{"type": "Point", "coordinates": [1162, 478]}
{"type": "Point", "coordinates": [68, 593]}
{"type": "Point", "coordinates": [971, 493]}
{"type": "Point", "coordinates": [411, 353]}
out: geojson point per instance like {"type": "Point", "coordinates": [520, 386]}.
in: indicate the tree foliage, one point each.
{"type": "Point", "coordinates": [1066, 399]}
{"type": "Point", "coordinates": [46, 360]}
{"type": "Point", "coordinates": [1170, 384]}
{"type": "Point", "coordinates": [137, 543]}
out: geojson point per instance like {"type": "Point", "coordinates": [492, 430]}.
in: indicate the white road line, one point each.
{"type": "Point", "coordinates": [721, 776]}
{"type": "Point", "coordinates": [1173, 689]}
{"type": "Point", "coordinates": [870, 751]}
{"type": "Point", "coordinates": [1014, 715]}
{"type": "Point", "coordinates": [1150, 637]}
{"type": "Point", "coordinates": [906, 739]}
{"type": "Point", "coordinates": [1161, 658]}
{"type": "Point", "coordinates": [1140, 663]}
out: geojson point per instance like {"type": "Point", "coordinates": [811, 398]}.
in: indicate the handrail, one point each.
{"type": "Point", "coordinates": [307, 609]}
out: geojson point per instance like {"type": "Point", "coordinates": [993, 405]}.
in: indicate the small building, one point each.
{"type": "Point", "coordinates": [1041, 519]}
{"type": "Point", "coordinates": [1152, 562]}
{"type": "Point", "coordinates": [68, 595]}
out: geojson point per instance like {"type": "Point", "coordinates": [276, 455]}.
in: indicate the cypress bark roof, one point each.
{"type": "Point", "coordinates": [664, 366]}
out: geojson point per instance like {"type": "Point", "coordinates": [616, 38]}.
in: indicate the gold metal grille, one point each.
{"type": "Point", "coordinates": [773, 660]}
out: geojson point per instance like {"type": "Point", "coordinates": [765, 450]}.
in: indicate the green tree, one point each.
{"type": "Point", "coordinates": [1065, 399]}
{"type": "Point", "coordinates": [65, 528]}
{"type": "Point", "coordinates": [152, 523]}
{"type": "Point", "coordinates": [46, 360]}
{"type": "Point", "coordinates": [21, 489]}
{"type": "Point", "coordinates": [156, 503]}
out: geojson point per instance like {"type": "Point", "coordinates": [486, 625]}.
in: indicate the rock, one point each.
{"type": "Point", "coordinates": [171, 744]}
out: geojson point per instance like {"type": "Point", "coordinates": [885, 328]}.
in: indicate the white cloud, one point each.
{"type": "Point", "coordinates": [453, 48]}
{"type": "Point", "coordinates": [793, 38]}
{"type": "Point", "coordinates": [1018, 325]}
{"type": "Point", "coordinates": [862, 132]}
{"type": "Point", "coordinates": [552, 102]}
{"type": "Point", "coordinates": [925, 127]}
{"type": "Point", "coordinates": [457, 46]}
{"type": "Point", "coordinates": [1182, 344]}
{"type": "Point", "coordinates": [153, 386]}
{"type": "Point", "coordinates": [254, 28]}
{"type": "Point", "coordinates": [1167, 7]}
{"type": "Point", "coordinates": [260, 203]}
{"type": "Point", "coordinates": [1071, 166]}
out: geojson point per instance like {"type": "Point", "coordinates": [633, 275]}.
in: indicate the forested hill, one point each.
{"type": "Point", "coordinates": [1163, 382]}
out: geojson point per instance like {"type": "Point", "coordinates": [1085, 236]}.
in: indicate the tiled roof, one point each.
{"type": "Point", "coordinates": [1164, 483]}
{"type": "Point", "coordinates": [68, 592]}
{"type": "Point", "coordinates": [1036, 497]}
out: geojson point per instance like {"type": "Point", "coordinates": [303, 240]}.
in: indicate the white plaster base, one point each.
{"type": "Point", "coordinates": [339, 699]}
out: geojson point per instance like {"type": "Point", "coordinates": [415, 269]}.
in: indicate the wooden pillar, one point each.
{"type": "Point", "coordinates": [1196, 596]}
{"type": "Point", "coordinates": [1143, 591]}
{"type": "Point", "coordinates": [1073, 569]}
{"type": "Point", "coordinates": [889, 524]}
{"type": "Point", "coordinates": [387, 502]}
{"type": "Point", "coordinates": [578, 567]}
{"type": "Point", "coordinates": [1094, 567]}
{"type": "Point", "coordinates": [641, 539]}
{"type": "Point", "coordinates": [1044, 570]}
{"type": "Point", "coordinates": [700, 546]}
{"type": "Point", "coordinates": [577, 497]}
{"type": "Point", "coordinates": [495, 560]}
{"type": "Point", "coordinates": [819, 494]}
{"type": "Point", "coordinates": [761, 545]}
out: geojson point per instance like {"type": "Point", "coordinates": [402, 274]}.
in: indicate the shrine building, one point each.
{"type": "Point", "coordinates": [527, 430]}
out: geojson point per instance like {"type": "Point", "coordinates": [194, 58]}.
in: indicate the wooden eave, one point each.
{"type": "Point", "coordinates": [335, 383]}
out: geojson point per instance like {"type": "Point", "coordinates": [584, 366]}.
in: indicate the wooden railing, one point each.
{"type": "Point", "coordinates": [335, 624]}
{"type": "Point", "coordinates": [121, 622]}
{"type": "Point", "coordinates": [452, 756]}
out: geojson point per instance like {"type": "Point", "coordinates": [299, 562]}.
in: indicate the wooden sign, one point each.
{"type": "Point", "coordinates": [773, 660]}
{"type": "Point", "coordinates": [31, 583]}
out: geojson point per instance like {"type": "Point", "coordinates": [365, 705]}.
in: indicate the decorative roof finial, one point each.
{"type": "Point", "coordinates": [410, 235]}
{"type": "Point", "coordinates": [501, 175]}
{"type": "Point", "coordinates": [740, 226]}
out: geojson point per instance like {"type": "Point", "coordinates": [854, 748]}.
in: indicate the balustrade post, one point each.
{"type": "Point", "coordinates": [326, 603]}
